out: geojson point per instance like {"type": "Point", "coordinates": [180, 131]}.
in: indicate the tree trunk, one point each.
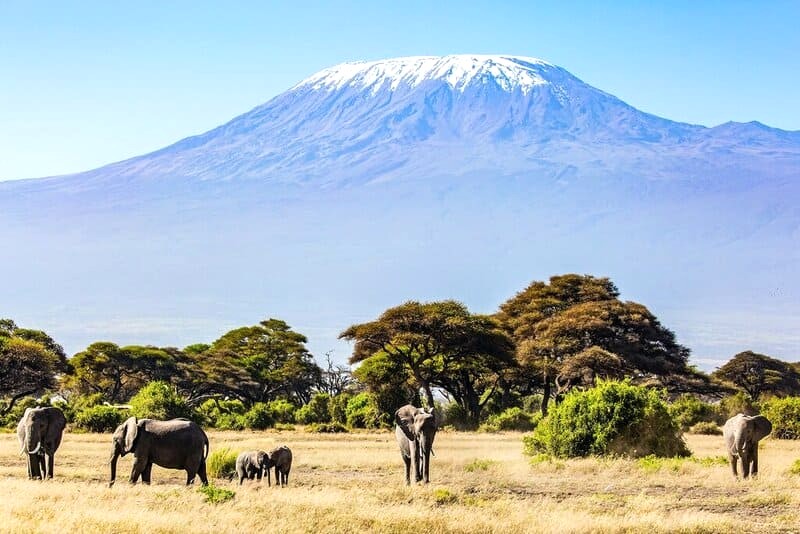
{"type": "Point", "coordinates": [545, 397]}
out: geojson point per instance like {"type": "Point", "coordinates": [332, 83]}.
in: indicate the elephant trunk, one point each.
{"type": "Point", "coordinates": [113, 462]}
{"type": "Point", "coordinates": [32, 442]}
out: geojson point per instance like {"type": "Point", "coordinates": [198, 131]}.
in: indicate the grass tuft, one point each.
{"type": "Point", "coordinates": [215, 495]}
{"type": "Point", "coordinates": [221, 463]}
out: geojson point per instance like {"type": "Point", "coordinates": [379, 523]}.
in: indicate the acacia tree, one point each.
{"type": "Point", "coordinates": [575, 329]}
{"type": "Point", "coordinates": [757, 374]}
{"type": "Point", "coordinates": [27, 366]}
{"type": "Point", "coordinates": [438, 344]}
{"type": "Point", "coordinates": [275, 359]}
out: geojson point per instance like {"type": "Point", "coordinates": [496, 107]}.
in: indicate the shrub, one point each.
{"type": "Point", "coordinates": [511, 419]}
{"type": "Point", "coordinates": [532, 403]}
{"type": "Point", "coordinates": [784, 414]}
{"type": "Point", "coordinates": [795, 468]}
{"type": "Point", "coordinates": [611, 418]}
{"type": "Point", "coordinates": [688, 410]}
{"type": "Point", "coordinates": [282, 411]}
{"type": "Point", "coordinates": [99, 418]}
{"type": "Point", "coordinates": [362, 412]}
{"type": "Point", "coordinates": [221, 463]}
{"type": "Point", "coordinates": [454, 415]}
{"type": "Point", "coordinates": [338, 408]}
{"type": "Point", "coordinates": [215, 495]}
{"type": "Point", "coordinates": [222, 414]}
{"type": "Point", "coordinates": [316, 411]}
{"type": "Point", "coordinates": [159, 400]}
{"type": "Point", "coordinates": [258, 417]}
{"type": "Point", "coordinates": [736, 403]}
{"type": "Point", "coordinates": [284, 426]}
{"type": "Point", "coordinates": [12, 418]}
{"type": "Point", "coordinates": [326, 428]}
{"type": "Point", "coordinates": [707, 428]}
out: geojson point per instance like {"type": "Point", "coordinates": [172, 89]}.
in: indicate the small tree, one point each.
{"type": "Point", "coordinates": [159, 400]}
{"type": "Point", "coordinates": [26, 368]}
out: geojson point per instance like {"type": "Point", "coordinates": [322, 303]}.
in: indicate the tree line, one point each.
{"type": "Point", "coordinates": [546, 340]}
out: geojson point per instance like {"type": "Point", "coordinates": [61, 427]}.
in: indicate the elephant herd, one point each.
{"type": "Point", "coordinates": [182, 444]}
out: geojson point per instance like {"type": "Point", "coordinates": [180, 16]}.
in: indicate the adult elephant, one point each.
{"type": "Point", "coordinates": [742, 434]}
{"type": "Point", "coordinates": [415, 429]}
{"type": "Point", "coordinates": [173, 444]}
{"type": "Point", "coordinates": [39, 433]}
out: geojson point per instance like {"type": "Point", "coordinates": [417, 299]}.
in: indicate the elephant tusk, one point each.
{"type": "Point", "coordinates": [36, 450]}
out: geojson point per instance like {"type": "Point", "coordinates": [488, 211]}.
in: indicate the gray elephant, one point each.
{"type": "Point", "coordinates": [742, 434]}
{"type": "Point", "coordinates": [252, 464]}
{"type": "Point", "coordinates": [173, 444]}
{"type": "Point", "coordinates": [281, 458]}
{"type": "Point", "coordinates": [39, 433]}
{"type": "Point", "coordinates": [415, 429]}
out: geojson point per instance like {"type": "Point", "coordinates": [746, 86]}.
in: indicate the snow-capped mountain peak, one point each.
{"type": "Point", "coordinates": [458, 71]}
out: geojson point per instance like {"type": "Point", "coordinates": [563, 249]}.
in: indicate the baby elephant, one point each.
{"type": "Point", "coordinates": [742, 434]}
{"type": "Point", "coordinates": [252, 464]}
{"type": "Point", "coordinates": [282, 460]}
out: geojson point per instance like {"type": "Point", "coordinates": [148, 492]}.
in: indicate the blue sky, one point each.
{"type": "Point", "coordinates": [87, 84]}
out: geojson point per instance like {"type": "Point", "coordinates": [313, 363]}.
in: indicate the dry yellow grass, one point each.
{"type": "Point", "coordinates": [354, 483]}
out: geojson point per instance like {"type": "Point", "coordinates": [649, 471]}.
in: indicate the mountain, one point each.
{"type": "Point", "coordinates": [370, 183]}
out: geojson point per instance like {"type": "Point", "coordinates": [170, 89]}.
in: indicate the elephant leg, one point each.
{"type": "Point", "coordinates": [426, 466]}
{"type": "Point", "coordinates": [269, 478]}
{"type": "Point", "coordinates": [146, 473]}
{"type": "Point", "coordinates": [286, 477]}
{"type": "Point", "coordinates": [139, 465]}
{"type": "Point", "coordinates": [50, 462]}
{"type": "Point", "coordinates": [407, 461]}
{"type": "Point", "coordinates": [746, 459]}
{"type": "Point", "coordinates": [733, 459]}
{"type": "Point", "coordinates": [754, 470]}
{"type": "Point", "coordinates": [42, 465]}
{"type": "Point", "coordinates": [415, 468]}
{"type": "Point", "coordinates": [34, 472]}
{"type": "Point", "coordinates": [201, 472]}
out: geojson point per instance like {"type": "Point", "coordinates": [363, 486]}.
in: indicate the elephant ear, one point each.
{"type": "Point", "coordinates": [761, 427]}
{"type": "Point", "coordinates": [404, 418]}
{"type": "Point", "coordinates": [422, 419]}
{"type": "Point", "coordinates": [131, 431]}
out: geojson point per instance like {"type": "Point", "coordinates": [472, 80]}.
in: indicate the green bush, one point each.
{"type": "Point", "coordinates": [221, 463]}
{"type": "Point", "coordinates": [338, 407]}
{"type": "Point", "coordinates": [99, 418]}
{"type": "Point", "coordinates": [316, 411]}
{"type": "Point", "coordinates": [12, 418]}
{"type": "Point", "coordinates": [282, 411]}
{"type": "Point", "coordinates": [326, 428]}
{"type": "Point", "coordinates": [532, 403]}
{"type": "Point", "coordinates": [222, 414]}
{"type": "Point", "coordinates": [610, 418]}
{"type": "Point", "coordinates": [454, 415]}
{"type": "Point", "coordinates": [510, 419]}
{"type": "Point", "coordinates": [706, 427]}
{"type": "Point", "coordinates": [259, 417]}
{"type": "Point", "coordinates": [362, 412]}
{"type": "Point", "coordinates": [284, 426]}
{"type": "Point", "coordinates": [688, 410]}
{"type": "Point", "coordinates": [784, 414]}
{"type": "Point", "coordinates": [215, 495]}
{"type": "Point", "coordinates": [739, 402]}
{"type": "Point", "coordinates": [159, 400]}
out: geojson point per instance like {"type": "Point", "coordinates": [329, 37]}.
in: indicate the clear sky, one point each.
{"type": "Point", "coordinates": [87, 83]}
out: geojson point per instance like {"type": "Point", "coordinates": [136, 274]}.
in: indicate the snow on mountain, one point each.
{"type": "Point", "coordinates": [370, 183]}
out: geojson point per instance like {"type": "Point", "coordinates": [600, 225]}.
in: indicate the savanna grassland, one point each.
{"type": "Point", "coordinates": [353, 483]}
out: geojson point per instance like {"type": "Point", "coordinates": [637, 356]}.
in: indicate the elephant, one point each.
{"type": "Point", "coordinates": [415, 429]}
{"type": "Point", "coordinates": [173, 444]}
{"type": "Point", "coordinates": [39, 432]}
{"type": "Point", "coordinates": [742, 434]}
{"type": "Point", "coordinates": [252, 464]}
{"type": "Point", "coordinates": [281, 458]}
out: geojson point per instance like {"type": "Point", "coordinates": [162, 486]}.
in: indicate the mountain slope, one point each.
{"type": "Point", "coordinates": [426, 177]}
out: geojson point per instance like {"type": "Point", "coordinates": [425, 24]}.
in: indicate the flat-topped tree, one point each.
{"type": "Point", "coordinates": [574, 329]}
{"type": "Point", "coordinates": [440, 344]}
{"type": "Point", "coordinates": [757, 374]}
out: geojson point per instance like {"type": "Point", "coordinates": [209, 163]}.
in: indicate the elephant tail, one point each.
{"type": "Point", "coordinates": [207, 448]}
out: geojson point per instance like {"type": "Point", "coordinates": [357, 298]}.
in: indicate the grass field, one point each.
{"type": "Point", "coordinates": [354, 483]}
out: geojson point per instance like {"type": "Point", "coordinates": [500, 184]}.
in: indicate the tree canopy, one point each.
{"type": "Point", "coordinates": [758, 374]}
{"type": "Point", "coordinates": [28, 363]}
{"type": "Point", "coordinates": [575, 329]}
{"type": "Point", "coordinates": [438, 344]}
